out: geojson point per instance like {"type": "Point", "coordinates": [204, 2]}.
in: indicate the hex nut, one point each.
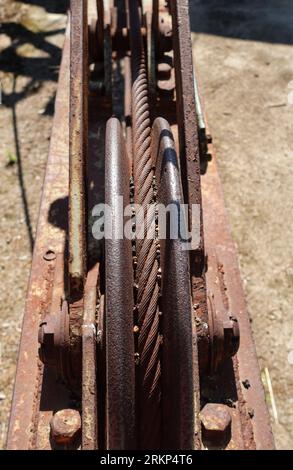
{"type": "Point", "coordinates": [65, 426]}
{"type": "Point", "coordinates": [216, 422]}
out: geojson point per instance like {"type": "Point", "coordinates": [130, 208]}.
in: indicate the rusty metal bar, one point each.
{"type": "Point", "coordinates": [78, 135]}
{"type": "Point", "coordinates": [89, 364]}
{"type": "Point", "coordinates": [180, 392]}
{"type": "Point", "coordinates": [120, 402]}
{"type": "Point", "coordinates": [186, 114]}
{"type": "Point", "coordinates": [190, 164]}
{"type": "Point", "coordinates": [78, 147]}
{"type": "Point", "coordinates": [25, 408]}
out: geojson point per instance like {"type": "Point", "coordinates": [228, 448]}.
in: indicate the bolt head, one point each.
{"type": "Point", "coordinates": [65, 426]}
{"type": "Point", "coordinates": [216, 422]}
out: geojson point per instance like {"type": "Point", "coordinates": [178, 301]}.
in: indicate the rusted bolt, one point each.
{"type": "Point", "coordinates": [216, 422]}
{"type": "Point", "coordinates": [50, 255]}
{"type": "Point", "coordinates": [65, 426]}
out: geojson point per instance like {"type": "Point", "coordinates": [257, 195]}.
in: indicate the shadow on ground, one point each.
{"type": "Point", "coordinates": [40, 63]}
{"type": "Point", "coordinates": [267, 21]}
{"type": "Point", "coordinates": [37, 68]}
{"type": "Point", "coordinates": [52, 6]}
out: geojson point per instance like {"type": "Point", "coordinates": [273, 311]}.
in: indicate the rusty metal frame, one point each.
{"type": "Point", "coordinates": [38, 392]}
{"type": "Point", "coordinates": [189, 156]}
{"type": "Point", "coordinates": [252, 408]}
{"type": "Point", "coordinates": [29, 419]}
{"type": "Point", "coordinates": [78, 144]}
{"type": "Point", "coordinates": [188, 137]}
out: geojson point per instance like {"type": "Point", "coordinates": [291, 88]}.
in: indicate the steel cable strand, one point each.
{"type": "Point", "coordinates": [148, 368]}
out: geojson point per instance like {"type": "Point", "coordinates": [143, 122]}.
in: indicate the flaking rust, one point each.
{"type": "Point", "coordinates": [143, 344]}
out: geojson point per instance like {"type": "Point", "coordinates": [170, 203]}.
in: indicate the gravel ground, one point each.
{"type": "Point", "coordinates": [244, 55]}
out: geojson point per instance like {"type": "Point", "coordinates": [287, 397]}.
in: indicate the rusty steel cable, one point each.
{"type": "Point", "coordinates": [148, 381]}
